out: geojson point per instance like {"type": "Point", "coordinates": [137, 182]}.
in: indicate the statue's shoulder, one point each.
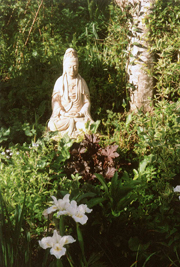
{"type": "Point", "coordinates": [84, 86]}
{"type": "Point", "coordinates": [81, 78]}
{"type": "Point", "coordinates": [59, 80]}
{"type": "Point", "coordinates": [58, 84]}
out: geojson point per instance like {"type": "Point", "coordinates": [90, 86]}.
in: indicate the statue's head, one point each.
{"type": "Point", "coordinates": [70, 63]}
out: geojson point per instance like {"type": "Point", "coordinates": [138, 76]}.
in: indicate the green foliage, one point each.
{"type": "Point", "coordinates": [117, 193]}
{"type": "Point", "coordinates": [155, 134]}
{"type": "Point", "coordinates": [164, 26]}
{"type": "Point", "coordinates": [109, 199]}
{"type": "Point", "coordinates": [11, 234]}
{"type": "Point", "coordinates": [34, 39]}
{"type": "Point", "coordinates": [4, 134]}
{"type": "Point", "coordinates": [149, 145]}
{"type": "Point", "coordinates": [135, 212]}
{"type": "Point", "coordinates": [32, 171]}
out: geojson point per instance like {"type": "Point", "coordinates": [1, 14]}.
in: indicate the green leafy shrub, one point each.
{"type": "Point", "coordinates": [164, 37]}
{"type": "Point", "coordinates": [155, 134]}
{"type": "Point", "coordinates": [32, 171]}
{"type": "Point", "coordinates": [150, 141]}
{"type": "Point", "coordinates": [12, 234]}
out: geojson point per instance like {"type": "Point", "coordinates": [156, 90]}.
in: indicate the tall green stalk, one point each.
{"type": "Point", "coordinates": [81, 244]}
{"type": "Point", "coordinates": [10, 236]}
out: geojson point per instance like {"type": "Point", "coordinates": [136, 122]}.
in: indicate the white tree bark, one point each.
{"type": "Point", "coordinates": [140, 63]}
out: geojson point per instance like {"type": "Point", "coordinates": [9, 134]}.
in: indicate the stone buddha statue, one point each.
{"type": "Point", "coordinates": [70, 99]}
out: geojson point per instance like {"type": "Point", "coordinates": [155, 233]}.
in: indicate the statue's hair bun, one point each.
{"type": "Point", "coordinates": [70, 53]}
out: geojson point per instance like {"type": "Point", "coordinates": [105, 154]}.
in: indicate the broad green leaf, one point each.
{"type": "Point", "coordinates": [136, 174]}
{"type": "Point", "coordinates": [95, 201]}
{"type": "Point", "coordinates": [86, 195]}
{"type": "Point", "coordinates": [128, 120]}
{"type": "Point", "coordinates": [103, 182]}
{"type": "Point", "coordinates": [114, 183]}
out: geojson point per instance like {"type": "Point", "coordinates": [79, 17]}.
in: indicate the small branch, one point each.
{"type": "Point", "coordinates": [33, 23]}
{"type": "Point", "coordinates": [10, 17]}
{"type": "Point", "coordinates": [26, 8]}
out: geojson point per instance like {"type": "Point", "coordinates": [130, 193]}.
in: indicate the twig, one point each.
{"type": "Point", "coordinates": [26, 8]}
{"type": "Point", "coordinates": [10, 17]}
{"type": "Point", "coordinates": [33, 23]}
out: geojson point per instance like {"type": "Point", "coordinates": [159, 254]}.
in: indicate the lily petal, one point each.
{"type": "Point", "coordinates": [51, 209]}
{"type": "Point", "coordinates": [56, 237]}
{"type": "Point", "coordinates": [54, 199]}
{"type": "Point", "coordinates": [58, 251]}
{"type": "Point", "coordinates": [46, 242]}
{"type": "Point", "coordinates": [82, 219]}
{"type": "Point", "coordinates": [67, 239]}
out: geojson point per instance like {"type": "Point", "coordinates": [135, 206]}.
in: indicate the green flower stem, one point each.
{"type": "Point", "coordinates": [69, 258]}
{"type": "Point", "coordinates": [61, 226]}
{"type": "Point", "coordinates": [59, 263]}
{"type": "Point", "coordinates": [81, 243]}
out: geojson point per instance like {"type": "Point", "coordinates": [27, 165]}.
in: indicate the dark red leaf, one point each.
{"type": "Point", "coordinates": [110, 152]}
{"type": "Point", "coordinates": [110, 172]}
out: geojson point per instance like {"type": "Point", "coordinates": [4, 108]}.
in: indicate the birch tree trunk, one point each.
{"type": "Point", "coordinates": [140, 63]}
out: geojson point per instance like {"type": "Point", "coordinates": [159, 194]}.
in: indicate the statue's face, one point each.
{"type": "Point", "coordinates": [72, 68]}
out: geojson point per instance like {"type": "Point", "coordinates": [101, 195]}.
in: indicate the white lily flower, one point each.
{"type": "Point", "coordinates": [76, 212]}
{"type": "Point", "coordinates": [59, 204]}
{"type": "Point", "coordinates": [177, 189]}
{"type": "Point", "coordinates": [79, 215]}
{"type": "Point", "coordinates": [56, 243]}
{"type": "Point", "coordinates": [70, 209]}
{"type": "Point", "coordinates": [65, 207]}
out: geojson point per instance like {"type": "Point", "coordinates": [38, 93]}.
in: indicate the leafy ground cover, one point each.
{"type": "Point", "coordinates": [135, 212]}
